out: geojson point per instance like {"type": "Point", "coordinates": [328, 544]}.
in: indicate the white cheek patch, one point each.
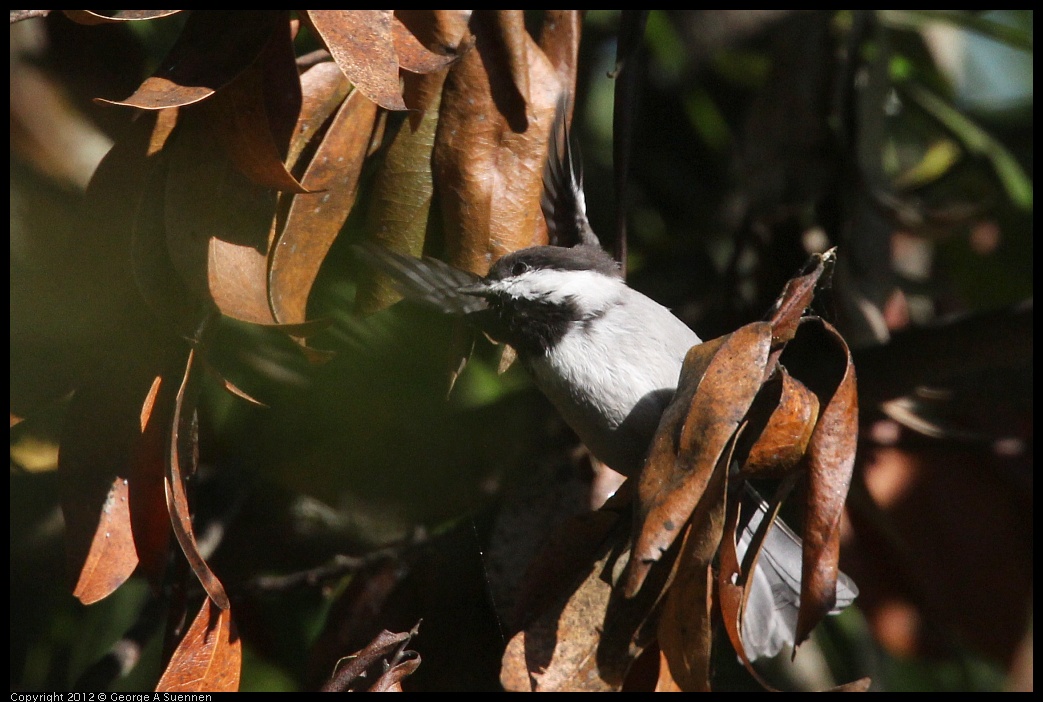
{"type": "Point", "coordinates": [591, 292]}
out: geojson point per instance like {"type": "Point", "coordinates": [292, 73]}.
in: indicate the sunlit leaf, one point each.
{"type": "Point", "coordinates": [514, 42]}
{"type": "Point", "coordinates": [977, 141]}
{"type": "Point", "coordinates": [102, 441]}
{"type": "Point", "coordinates": [209, 657]}
{"type": "Point", "coordinates": [559, 39]}
{"type": "Point", "coordinates": [182, 437]}
{"type": "Point", "coordinates": [218, 223]}
{"type": "Point", "coordinates": [315, 219]}
{"type": "Point", "coordinates": [362, 43]}
{"type": "Point", "coordinates": [938, 160]}
{"type": "Point", "coordinates": [148, 513]}
{"type": "Point", "coordinates": [781, 441]}
{"type": "Point", "coordinates": [796, 296]}
{"type": "Point", "coordinates": [413, 56]}
{"type": "Point", "coordinates": [489, 153]}
{"type": "Point", "coordinates": [718, 383]}
{"type": "Point", "coordinates": [323, 89]}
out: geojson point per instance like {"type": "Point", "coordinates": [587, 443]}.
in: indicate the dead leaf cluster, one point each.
{"type": "Point", "coordinates": [223, 198]}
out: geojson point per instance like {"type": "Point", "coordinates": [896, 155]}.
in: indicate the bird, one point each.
{"type": "Point", "coordinates": [606, 356]}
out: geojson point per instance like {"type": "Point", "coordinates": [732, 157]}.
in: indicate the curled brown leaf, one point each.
{"type": "Point", "coordinates": [218, 223]}
{"type": "Point", "coordinates": [830, 460]}
{"type": "Point", "coordinates": [685, 633]}
{"type": "Point", "coordinates": [315, 219]}
{"type": "Point", "coordinates": [718, 383]}
{"type": "Point", "coordinates": [796, 296]}
{"type": "Point", "coordinates": [181, 438]}
{"type": "Point", "coordinates": [780, 442]}
{"type": "Point", "coordinates": [209, 657]}
{"type": "Point", "coordinates": [413, 56]}
{"type": "Point", "coordinates": [323, 89]}
{"type": "Point", "coordinates": [353, 667]}
{"type": "Point", "coordinates": [559, 40]}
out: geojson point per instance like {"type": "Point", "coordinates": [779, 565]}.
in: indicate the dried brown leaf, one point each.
{"type": "Point", "coordinates": [209, 657]}
{"type": "Point", "coordinates": [559, 40]}
{"type": "Point", "coordinates": [400, 202]}
{"type": "Point", "coordinates": [236, 274]}
{"type": "Point", "coordinates": [490, 149]}
{"type": "Point", "coordinates": [830, 460]}
{"type": "Point", "coordinates": [148, 514]}
{"type": "Point", "coordinates": [363, 45]}
{"type": "Point", "coordinates": [559, 565]}
{"type": "Point", "coordinates": [685, 634]}
{"type": "Point", "coordinates": [182, 437]}
{"type": "Point", "coordinates": [413, 56]}
{"type": "Point", "coordinates": [110, 557]}
{"type": "Point", "coordinates": [442, 31]}
{"type": "Point", "coordinates": [323, 89]}
{"type": "Point", "coordinates": [718, 383]}
{"type": "Point", "coordinates": [860, 685]}
{"type": "Point", "coordinates": [732, 592]}
{"type": "Point", "coordinates": [315, 219]}
{"type": "Point", "coordinates": [580, 633]}
{"type": "Point", "coordinates": [235, 389]}
{"type": "Point", "coordinates": [254, 116]}
{"type": "Point", "coordinates": [515, 44]}
{"type": "Point", "coordinates": [213, 48]}
{"type": "Point", "coordinates": [101, 438]}
{"type": "Point", "coordinates": [557, 651]}
{"type": "Point", "coordinates": [356, 664]}
{"type": "Point", "coordinates": [796, 296]}
{"type": "Point", "coordinates": [391, 680]}
{"type": "Point", "coordinates": [781, 441]}
{"type": "Point", "coordinates": [218, 223]}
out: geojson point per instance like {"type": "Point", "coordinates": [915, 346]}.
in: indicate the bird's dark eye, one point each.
{"type": "Point", "coordinates": [519, 267]}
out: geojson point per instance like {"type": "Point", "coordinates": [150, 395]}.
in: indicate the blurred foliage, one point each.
{"type": "Point", "coordinates": [758, 137]}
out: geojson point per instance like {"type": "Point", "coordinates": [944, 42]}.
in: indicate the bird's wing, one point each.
{"type": "Point", "coordinates": [425, 280]}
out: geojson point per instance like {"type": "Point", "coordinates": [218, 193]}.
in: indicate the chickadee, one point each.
{"type": "Point", "coordinates": [608, 358]}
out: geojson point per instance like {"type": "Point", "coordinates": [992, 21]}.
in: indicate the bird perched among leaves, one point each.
{"type": "Point", "coordinates": [607, 357]}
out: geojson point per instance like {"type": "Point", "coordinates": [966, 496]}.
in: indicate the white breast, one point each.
{"type": "Point", "coordinates": [611, 377]}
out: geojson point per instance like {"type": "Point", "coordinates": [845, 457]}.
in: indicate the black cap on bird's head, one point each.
{"type": "Point", "coordinates": [577, 258]}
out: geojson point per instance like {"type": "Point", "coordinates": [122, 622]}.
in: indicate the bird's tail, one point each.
{"type": "Point", "coordinates": [770, 621]}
